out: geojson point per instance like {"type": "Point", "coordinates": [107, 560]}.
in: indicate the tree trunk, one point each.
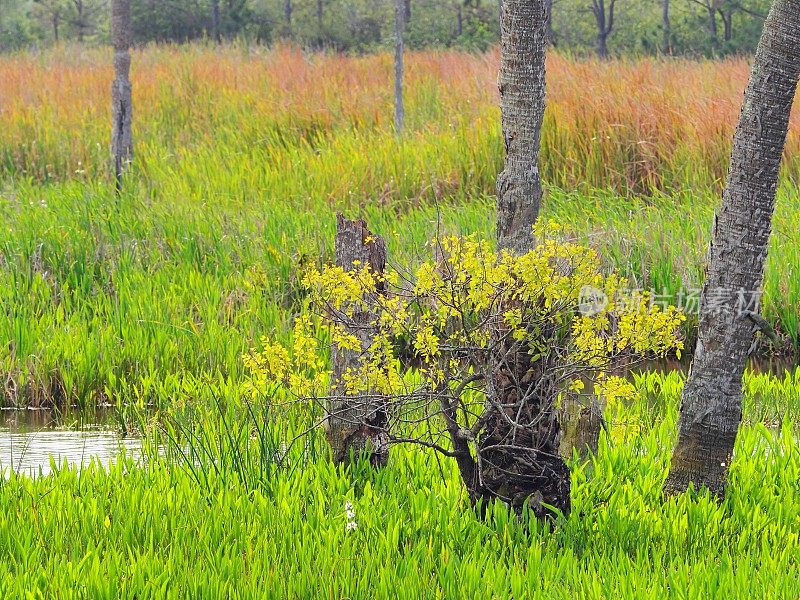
{"type": "Point", "coordinates": [711, 409]}
{"type": "Point", "coordinates": [399, 27]}
{"type": "Point", "coordinates": [602, 47]}
{"type": "Point", "coordinates": [667, 27]}
{"type": "Point", "coordinates": [406, 13]}
{"type": "Point", "coordinates": [581, 425]}
{"type": "Point", "coordinates": [522, 90]}
{"type": "Point", "coordinates": [357, 425]}
{"type": "Point", "coordinates": [319, 18]}
{"type": "Point", "coordinates": [712, 26]}
{"type": "Point", "coordinates": [551, 36]}
{"type": "Point", "coordinates": [605, 24]}
{"type": "Point", "coordinates": [519, 463]}
{"type": "Point", "coordinates": [56, 19]}
{"type": "Point", "coordinates": [459, 20]}
{"type": "Point", "coordinates": [215, 21]}
{"type": "Point", "coordinates": [287, 15]}
{"type": "Point", "coordinates": [727, 22]}
{"type": "Point", "coordinates": [121, 102]}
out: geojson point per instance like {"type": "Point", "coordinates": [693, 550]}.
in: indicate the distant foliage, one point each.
{"type": "Point", "coordinates": [366, 25]}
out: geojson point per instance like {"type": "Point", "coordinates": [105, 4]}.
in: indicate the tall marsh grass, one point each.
{"type": "Point", "coordinates": [631, 126]}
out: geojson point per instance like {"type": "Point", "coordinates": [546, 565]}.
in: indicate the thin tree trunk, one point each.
{"type": "Point", "coordinates": [215, 21]}
{"type": "Point", "coordinates": [712, 397]}
{"type": "Point", "coordinates": [667, 27]}
{"type": "Point", "coordinates": [55, 27]}
{"type": "Point", "coordinates": [399, 27]}
{"type": "Point", "coordinates": [319, 18]}
{"type": "Point", "coordinates": [602, 47]}
{"type": "Point", "coordinates": [712, 26]}
{"type": "Point", "coordinates": [121, 102]}
{"type": "Point", "coordinates": [406, 13]}
{"type": "Point", "coordinates": [551, 36]}
{"type": "Point", "coordinates": [519, 463]}
{"type": "Point", "coordinates": [459, 20]}
{"type": "Point", "coordinates": [287, 15]}
{"type": "Point", "coordinates": [357, 425]}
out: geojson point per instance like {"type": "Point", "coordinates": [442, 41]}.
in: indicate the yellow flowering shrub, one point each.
{"type": "Point", "coordinates": [446, 317]}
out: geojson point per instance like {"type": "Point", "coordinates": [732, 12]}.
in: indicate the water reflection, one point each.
{"type": "Point", "coordinates": [776, 366]}
{"type": "Point", "coordinates": [29, 438]}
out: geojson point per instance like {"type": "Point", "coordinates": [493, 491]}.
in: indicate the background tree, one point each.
{"type": "Point", "coordinates": [52, 12]}
{"type": "Point", "coordinates": [711, 8]}
{"type": "Point", "coordinates": [288, 10]}
{"type": "Point", "coordinates": [605, 24]}
{"type": "Point", "coordinates": [399, 32]}
{"type": "Point", "coordinates": [368, 25]}
{"type": "Point", "coordinates": [17, 29]}
{"type": "Point", "coordinates": [121, 101]}
{"type": "Point", "coordinates": [712, 398]}
{"type": "Point", "coordinates": [83, 16]}
{"type": "Point", "coordinates": [216, 33]}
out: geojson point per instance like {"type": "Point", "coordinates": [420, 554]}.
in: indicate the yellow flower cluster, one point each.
{"type": "Point", "coordinates": [301, 370]}
{"type": "Point", "coordinates": [379, 371]}
{"type": "Point", "coordinates": [636, 326]}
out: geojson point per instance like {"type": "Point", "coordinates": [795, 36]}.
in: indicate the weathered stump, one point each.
{"type": "Point", "coordinates": [356, 425]}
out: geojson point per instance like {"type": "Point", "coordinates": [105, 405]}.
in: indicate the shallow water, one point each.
{"type": "Point", "coordinates": [31, 441]}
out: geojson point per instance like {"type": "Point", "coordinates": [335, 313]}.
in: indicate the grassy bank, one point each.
{"type": "Point", "coordinates": [163, 531]}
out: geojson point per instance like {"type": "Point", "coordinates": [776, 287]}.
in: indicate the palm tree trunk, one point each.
{"type": "Point", "coordinates": [519, 463]}
{"type": "Point", "coordinates": [522, 95]}
{"type": "Point", "coordinates": [712, 397]}
{"type": "Point", "coordinates": [121, 101]}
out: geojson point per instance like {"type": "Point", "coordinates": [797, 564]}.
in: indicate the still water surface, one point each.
{"type": "Point", "coordinates": [30, 440]}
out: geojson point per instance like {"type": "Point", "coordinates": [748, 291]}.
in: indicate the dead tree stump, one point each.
{"type": "Point", "coordinates": [356, 425]}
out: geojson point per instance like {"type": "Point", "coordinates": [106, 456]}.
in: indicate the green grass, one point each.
{"type": "Point", "coordinates": [155, 531]}
{"type": "Point", "coordinates": [109, 300]}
